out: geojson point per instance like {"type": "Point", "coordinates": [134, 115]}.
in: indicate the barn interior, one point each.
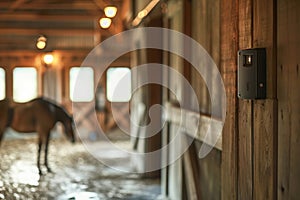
{"type": "Point", "coordinates": [171, 99]}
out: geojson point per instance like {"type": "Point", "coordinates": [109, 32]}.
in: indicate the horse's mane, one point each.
{"type": "Point", "coordinates": [53, 103]}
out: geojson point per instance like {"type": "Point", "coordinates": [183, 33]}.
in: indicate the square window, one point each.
{"type": "Point", "coordinates": [2, 84]}
{"type": "Point", "coordinates": [118, 84]}
{"type": "Point", "coordinates": [25, 86]}
{"type": "Point", "coordinates": [81, 84]}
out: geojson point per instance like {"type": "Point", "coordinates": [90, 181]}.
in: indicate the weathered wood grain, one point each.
{"type": "Point", "coordinates": [201, 34]}
{"type": "Point", "coordinates": [264, 35]}
{"type": "Point", "coordinates": [245, 169]}
{"type": "Point", "coordinates": [265, 150]}
{"type": "Point", "coordinates": [195, 125]}
{"type": "Point", "coordinates": [288, 99]}
{"type": "Point", "coordinates": [229, 47]}
{"type": "Point", "coordinates": [284, 118]}
{"type": "Point", "coordinates": [192, 183]}
{"type": "Point", "coordinates": [265, 111]}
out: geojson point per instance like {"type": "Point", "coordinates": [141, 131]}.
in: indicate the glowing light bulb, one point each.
{"type": "Point", "coordinates": [48, 58]}
{"type": "Point", "coordinates": [110, 11]}
{"type": "Point", "coordinates": [105, 22]}
{"type": "Point", "coordinates": [41, 42]}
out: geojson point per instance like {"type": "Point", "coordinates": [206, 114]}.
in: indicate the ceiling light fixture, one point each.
{"type": "Point", "coordinates": [41, 42]}
{"type": "Point", "coordinates": [105, 22]}
{"type": "Point", "coordinates": [48, 58]}
{"type": "Point", "coordinates": [110, 11]}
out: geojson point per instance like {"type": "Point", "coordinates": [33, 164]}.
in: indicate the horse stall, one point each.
{"type": "Point", "coordinates": [56, 142]}
{"type": "Point", "coordinates": [149, 99]}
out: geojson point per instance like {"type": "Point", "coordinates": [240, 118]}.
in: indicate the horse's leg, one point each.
{"type": "Point", "coordinates": [39, 155]}
{"type": "Point", "coordinates": [46, 152]}
{"type": "Point", "coordinates": [1, 135]}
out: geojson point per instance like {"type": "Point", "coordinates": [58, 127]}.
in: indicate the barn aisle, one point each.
{"type": "Point", "coordinates": [76, 175]}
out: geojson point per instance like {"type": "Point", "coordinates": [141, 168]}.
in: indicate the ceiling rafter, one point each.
{"type": "Point", "coordinates": [41, 17]}
{"type": "Point", "coordinates": [16, 4]}
{"type": "Point", "coordinates": [22, 19]}
{"type": "Point", "coordinates": [45, 6]}
{"type": "Point", "coordinates": [23, 31]}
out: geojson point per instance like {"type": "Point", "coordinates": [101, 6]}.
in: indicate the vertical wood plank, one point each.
{"type": "Point", "coordinates": [215, 30]}
{"type": "Point", "coordinates": [295, 127]}
{"type": "Point", "coordinates": [9, 82]}
{"type": "Point", "coordinates": [175, 22]}
{"type": "Point", "coordinates": [284, 117]}
{"type": "Point", "coordinates": [265, 111]}
{"type": "Point", "coordinates": [265, 170]}
{"type": "Point", "coordinates": [191, 174]}
{"type": "Point", "coordinates": [245, 24]}
{"type": "Point", "coordinates": [229, 47]}
{"type": "Point", "coordinates": [201, 34]}
{"type": "Point", "coordinates": [264, 35]}
{"type": "Point", "coordinates": [245, 168]}
{"type": "Point", "coordinates": [288, 99]}
{"type": "Point", "coordinates": [245, 176]}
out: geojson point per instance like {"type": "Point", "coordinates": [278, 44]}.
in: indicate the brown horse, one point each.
{"type": "Point", "coordinates": [38, 115]}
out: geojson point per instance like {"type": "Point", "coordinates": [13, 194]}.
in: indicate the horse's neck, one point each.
{"type": "Point", "coordinates": [61, 115]}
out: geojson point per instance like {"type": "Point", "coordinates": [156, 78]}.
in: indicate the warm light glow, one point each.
{"type": "Point", "coordinates": [110, 11]}
{"type": "Point", "coordinates": [41, 42]}
{"type": "Point", "coordinates": [48, 58]}
{"type": "Point", "coordinates": [249, 59]}
{"type": "Point", "coordinates": [105, 22]}
{"type": "Point", "coordinates": [143, 13]}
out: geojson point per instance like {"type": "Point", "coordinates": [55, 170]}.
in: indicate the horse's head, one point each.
{"type": "Point", "coordinates": [69, 129]}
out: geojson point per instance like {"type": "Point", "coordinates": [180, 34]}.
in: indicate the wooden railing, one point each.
{"type": "Point", "coordinates": [190, 121]}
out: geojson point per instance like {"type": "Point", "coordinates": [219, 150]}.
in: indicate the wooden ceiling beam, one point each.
{"type": "Point", "coordinates": [100, 4]}
{"type": "Point", "coordinates": [5, 53]}
{"type": "Point", "coordinates": [16, 4]}
{"type": "Point", "coordinates": [59, 32]}
{"type": "Point", "coordinates": [41, 17]}
{"type": "Point", "coordinates": [35, 5]}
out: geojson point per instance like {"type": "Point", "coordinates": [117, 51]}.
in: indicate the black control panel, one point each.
{"type": "Point", "coordinates": [252, 66]}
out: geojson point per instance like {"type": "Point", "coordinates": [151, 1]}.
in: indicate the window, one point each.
{"type": "Point", "coordinates": [2, 83]}
{"type": "Point", "coordinates": [25, 86]}
{"type": "Point", "coordinates": [118, 84]}
{"type": "Point", "coordinates": [82, 86]}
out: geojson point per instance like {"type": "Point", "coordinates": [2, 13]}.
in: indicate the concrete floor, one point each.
{"type": "Point", "coordinates": [76, 174]}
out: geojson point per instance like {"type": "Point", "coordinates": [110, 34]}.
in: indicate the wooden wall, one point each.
{"type": "Point", "coordinates": [146, 96]}
{"type": "Point", "coordinates": [288, 60]}
{"type": "Point", "coordinates": [229, 47]}
{"type": "Point", "coordinates": [206, 31]}
{"type": "Point", "coordinates": [258, 118]}
{"type": "Point", "coordinates": [190, 177]}
{"type": "Point", "coordinates": [247, 161]}
{"type": "Point", "coordinates": [250, 142]}
{"type": "Point", "coordinates": [258, 155]}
